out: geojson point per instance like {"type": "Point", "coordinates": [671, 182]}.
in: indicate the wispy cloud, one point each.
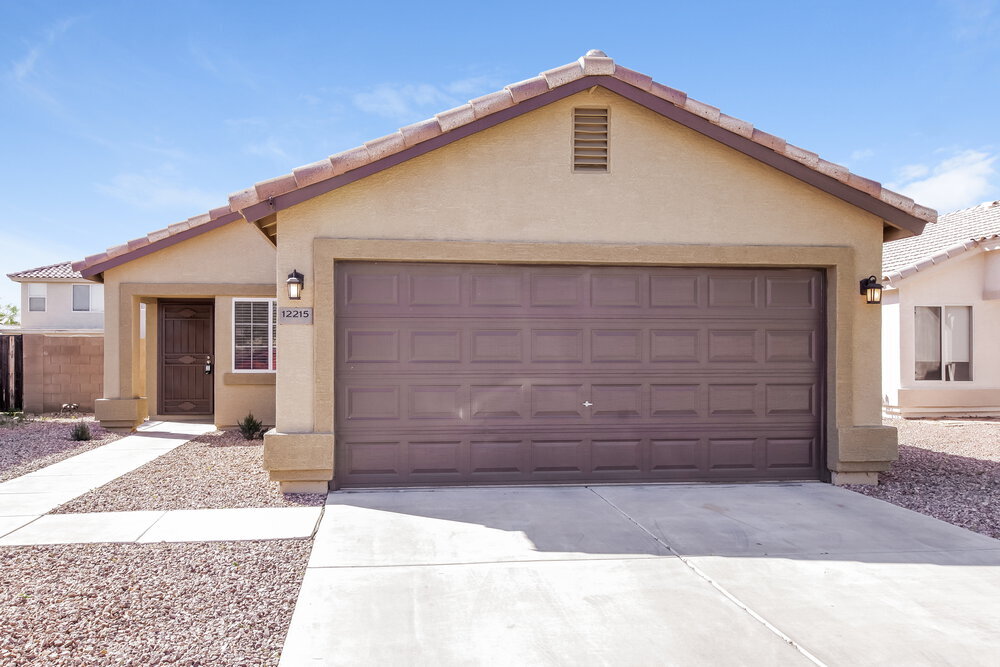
{"type": "Point", "coordinates": [974, 19]}
{"type": "Point", "coordinates": [862, 154]}
{"type": "Point", "coordinates": [406, 102]}
{"type": "Point", "coordinates": [269, 147]}
{"type": "Point", "coordinates": [22, 68]}
{"type": "Point", "coordinates": [224, 66]}
{"type": "Point", "coordinates": [158, 191]}
{"type": "Point", "coordinates": [962, 179]}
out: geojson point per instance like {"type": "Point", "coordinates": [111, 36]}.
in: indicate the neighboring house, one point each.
{"type": "Point", "coordinates": [584, 277]}
{"type": "Point", "coordinates": [62, 334]}
{"type": "Point", "coordinates": [941, 315]}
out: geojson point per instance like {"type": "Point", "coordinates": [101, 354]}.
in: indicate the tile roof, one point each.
{"type": "Point", "coordinates": [63, 270]}
{"type": "Point", "coordinates": [593, 64]}
{"type": "Point", "coordinates": [954, 234]}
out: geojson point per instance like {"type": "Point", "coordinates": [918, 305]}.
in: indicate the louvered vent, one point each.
{"type": "Point", "coordinates": [590, 140]}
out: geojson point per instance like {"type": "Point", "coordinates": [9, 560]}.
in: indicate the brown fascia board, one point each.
{"type": "Point", "coordinates": [101, 267]}
{"type": "Point", "coordinates": [906, 224]}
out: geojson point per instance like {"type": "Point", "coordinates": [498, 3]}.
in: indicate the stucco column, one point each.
{"type": "Point", "coordinates": [121, 408]}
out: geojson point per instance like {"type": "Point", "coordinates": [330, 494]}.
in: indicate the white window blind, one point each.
{"type": "Point", "coordinates": [36, 297]}
{"type": "Point", "coordinates": [254, 335]}
{"type": "Point", "coordinates": [942, 339]}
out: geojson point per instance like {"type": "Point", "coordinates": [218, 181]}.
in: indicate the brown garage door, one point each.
{"type": "Point", "coordinates": [466, 374]}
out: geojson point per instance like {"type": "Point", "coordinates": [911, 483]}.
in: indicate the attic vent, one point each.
{"type": "Point", "coordinates": [590, 139]}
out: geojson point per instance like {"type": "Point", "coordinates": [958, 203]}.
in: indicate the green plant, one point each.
{"type": "Point", "coordinates": [81, 431]}
{"type": "Point", "coordinates": [9, 315]}
{"type": "Point", "coordinates": [251, 428]}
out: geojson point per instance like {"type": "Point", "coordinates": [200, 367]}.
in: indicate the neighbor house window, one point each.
{"type": "Point", "coordinates": [88, 298]}
{"type": "Point", "coordinates": [36, 297]}
{"type": "Point", "coordinates": [943, 343]}
{"type": "Point", "coordinates": [254, 335]}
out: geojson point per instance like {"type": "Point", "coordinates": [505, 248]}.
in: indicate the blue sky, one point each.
{"type": "Point", "coordinates": [121, 117]}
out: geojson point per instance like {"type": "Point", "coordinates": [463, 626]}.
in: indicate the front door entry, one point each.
{"type": "Point", "coordinates": [187, 358]}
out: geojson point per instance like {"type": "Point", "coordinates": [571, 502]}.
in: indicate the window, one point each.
{"type": "Point", "coordinates": [590, 140]}
{"type": "Point", "coordinates": [254, 335]}
{"type": "Point", "coordinates": [943, 343]}
{"type": "Point", "coordinates": [36, 297]}
{"type": "Point", "coordinates": [81, 297]}
{"type": "Point", "coordinates": [88, 298]}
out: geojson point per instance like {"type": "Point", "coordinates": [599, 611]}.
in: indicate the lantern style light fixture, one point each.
{"type": "Point", "coordinates": [296, 281]}
{"type": "Point", "coordinates": [871, 289]}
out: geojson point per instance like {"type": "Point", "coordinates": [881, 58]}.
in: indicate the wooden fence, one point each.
{"type": "Point", "coordinates": [11, 373]}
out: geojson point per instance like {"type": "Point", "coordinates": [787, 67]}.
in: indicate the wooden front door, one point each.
{"type": "Point", "coordinates": [186, 345]}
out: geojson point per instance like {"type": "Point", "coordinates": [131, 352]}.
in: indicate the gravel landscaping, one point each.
{"type": "Point", "coordinates": [38, 442]}
{"type": "Point", "coordinates": [215, 471]}
{"type": "Point", "coordinates": [947, 469]}
{"type": "Point", "coordinates": [217, 603]}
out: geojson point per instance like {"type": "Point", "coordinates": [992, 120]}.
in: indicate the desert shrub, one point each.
{"type": "Point", "coordinates": [81, 431]}
{"type": "Point", "coordinates": [12, 418]}
{"type": "Point", "coordinates": [251, 428]}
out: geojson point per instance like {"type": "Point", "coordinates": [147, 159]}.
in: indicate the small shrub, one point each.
{"type": "Point", "coordinates": [81, 431]}
{"type": "Point", "coordinates": [251, 428]}
{"type": "Point", "coordinates": [12, 418]}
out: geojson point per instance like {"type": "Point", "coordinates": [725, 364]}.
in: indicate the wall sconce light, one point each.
{"type": "Point", "coordinates": [871, 289]}
{"type": "Point", "coordinates": [296, 281]}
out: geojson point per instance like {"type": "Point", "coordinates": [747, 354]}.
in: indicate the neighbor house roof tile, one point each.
{"type": "Point", "coordinates": [60, 271]}
{"type": "Point", "coordinates": [594, 63]}
{"type": "Point", "coordinates": [954, 234]}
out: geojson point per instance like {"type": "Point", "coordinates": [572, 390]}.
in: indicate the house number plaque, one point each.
{"type": "Point", "coordinates": [295, 315]}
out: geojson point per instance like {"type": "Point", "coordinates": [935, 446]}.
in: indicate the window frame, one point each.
{"type": "Point", "coordinates": [44, 296]}
{"type": "Point", "coordinates": [272, 334]}
{"type": "Point", "coordinates": [944, 352]}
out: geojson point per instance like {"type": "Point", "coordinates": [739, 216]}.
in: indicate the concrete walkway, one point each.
{"type": "Point", "coordinates": [756, 574]}
{"type": "Point", "coordinates": [25, 498]}
{"type": "Point", "coordinates": [25, 501]}
{"type": "Point", "coordinates": [209, 525]}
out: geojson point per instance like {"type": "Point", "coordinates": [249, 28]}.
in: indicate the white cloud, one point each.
{"type": "Point", "coordinates": [964, 179]}
{"type": "Point", "coordinates": [24, 67]}
{"type": "Point", "coordinates": [862, 154]}
{"type": "Point", "coordinates": [406, 102]}
{"type": "Point", "coordinates": [153, 191]}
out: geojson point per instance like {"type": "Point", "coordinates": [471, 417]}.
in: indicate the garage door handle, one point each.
{"type": "Point", "coordinates": [587, 404]}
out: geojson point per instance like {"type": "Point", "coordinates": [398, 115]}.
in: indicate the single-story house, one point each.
{"type": "Point", "coordinates": [62, 338]}
{"type": "Point", "coordinates": [940, 317]}
{"type": "Point", "coordinates": [586, 276]}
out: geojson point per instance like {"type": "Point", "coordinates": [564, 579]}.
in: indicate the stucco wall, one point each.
{"type": "Point", "coordinates": [59, 313]}
{"type": "Point", "coordinates": [669, 187]}
{"type": "Point", "coordinates": [234, 260]}
{"type": "Point", "coordinates": [958, 282]}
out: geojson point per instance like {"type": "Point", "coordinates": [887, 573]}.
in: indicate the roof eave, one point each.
{"type": "Point", "coordinates": [906, 224]}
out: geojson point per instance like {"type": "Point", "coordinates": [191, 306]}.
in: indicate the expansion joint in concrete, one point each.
{"type": "Point", "coordinates": [717, 586]}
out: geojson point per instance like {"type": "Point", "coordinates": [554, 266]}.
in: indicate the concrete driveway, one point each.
{"type": "Point", "coordinates": [758, 574]}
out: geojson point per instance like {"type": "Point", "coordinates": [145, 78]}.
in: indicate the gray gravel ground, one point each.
{"type": "Point", "coordinates": [947, 469]}
{"type": "Point", "coordinates": [41, 441]}
{"type": "Point", "coordinates": [216, 470]}
{"type": "Point", "coordinates": [217, 603]}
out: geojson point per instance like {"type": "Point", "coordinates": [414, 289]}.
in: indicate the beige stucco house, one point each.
{"type": "Point", "coordinates": [940, 316]}
{"type": "Point", "coordinates": [585, 276]}
{"type": "Point", "coordinates": [62, 338]}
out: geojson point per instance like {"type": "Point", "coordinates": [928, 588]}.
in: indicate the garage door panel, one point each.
{"type": "Point", "coordinates": [420, 345]}
{"type": "Point", "coordinates": [568, 456]}
{"type": "Point", "coordinates": [478, 401]}
{"type": "Point", "coordinates": [458, 374]}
